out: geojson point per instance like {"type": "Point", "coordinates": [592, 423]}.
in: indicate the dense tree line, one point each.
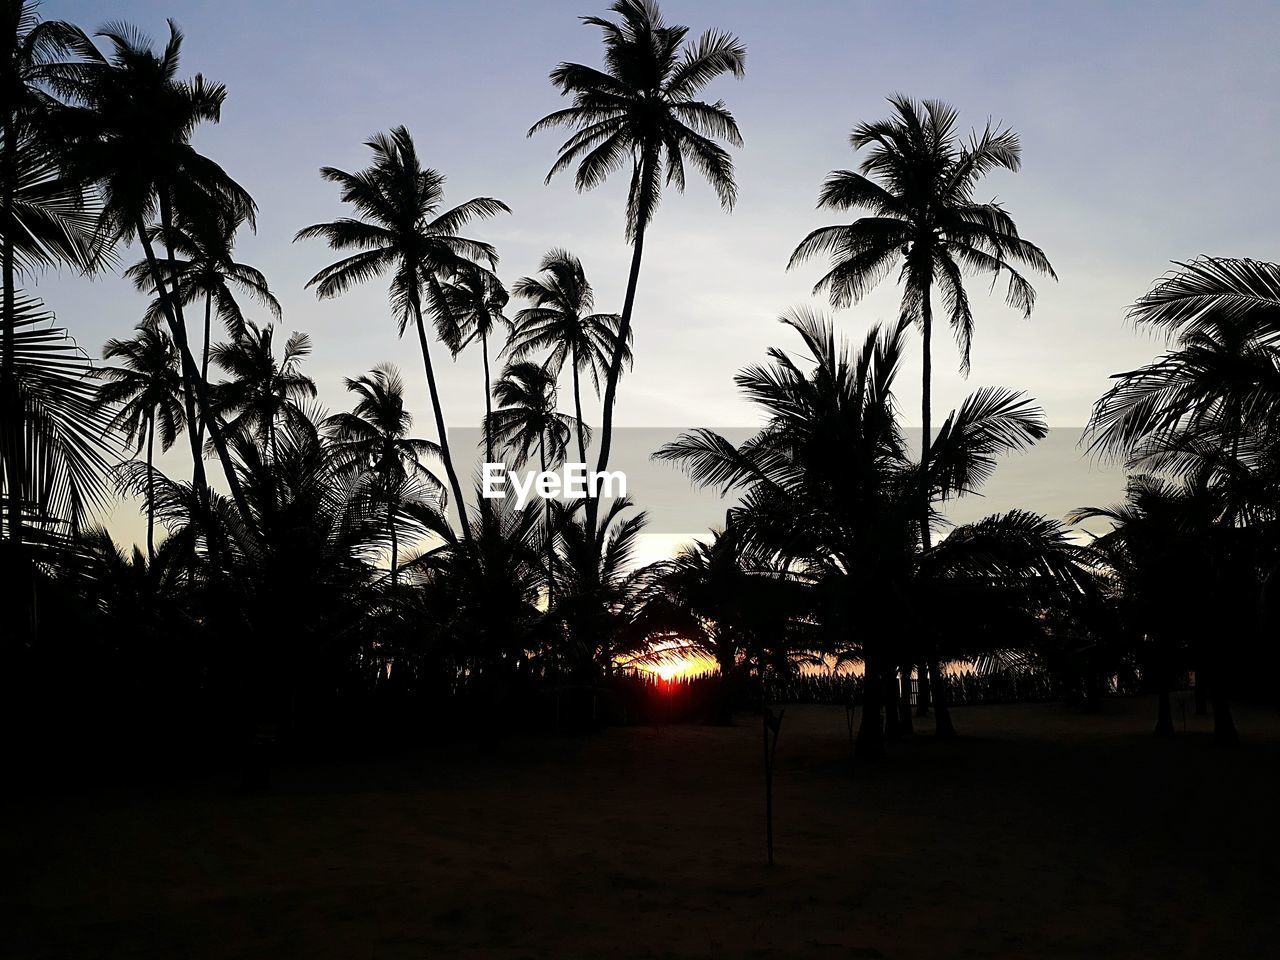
{"type": "Point", "coordinates": [337, 569]}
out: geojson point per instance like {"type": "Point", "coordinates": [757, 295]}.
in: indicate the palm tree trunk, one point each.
{"type": "Point", "coordinates": [14, 420]}
{"type": "Point", "coordinates": [187, 366]}
{"type": "Point", "coordinates": [171, 301]}
{"type": "Point", "coordinates": [624, 332]}
{"type": "Point", "coordinates": [275, 447]}
{"type": "Point", "coordinates": [395, 546]}
{"type": "Point", "coordinates": [488, 401]}
{"type": "Point", "coordinates": [923, 693]}
{"type": "Point", "coordinates": [151, 490]}
{"type": "Point", "coordinates": [204, 355]}
{"type": "Point", "coordinates": [551, 584]}
{"type": "Point", "coordinates": [869, 744]}
{"type": "Point", "coordinates": [577, 406]}
{"type": "Point", "coordinates": [926, 387]}
{"type": "Point", "coordinates": [904, 706]}
{"type": "Point", "coordinates": [445, 456]}
{"type": "Point", "coordinates": [943, 726]}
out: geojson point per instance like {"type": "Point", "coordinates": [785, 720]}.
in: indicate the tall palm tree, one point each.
{"type": "Point", "coordinates": [374, 439]}
{"type": "Point", "coordinates": [641, 108]}
{"type": "Point", "coordinates": [46, 216]}
{"type": "Point", "coordinates": [526, 419]}
{"type": "Point", "coordinates": [401, 229]}
{"type": "Point", "coordinates": [918, 181]}
{"type": "Point", "coordinates": [264, 391]}
{"type": "Point", "coordinates": [560, 320]}
{"type": "Point", "coordinates": [203, 244]}
{"type": "Point", "coordinates": [147, 388]}
{"type": "Point", "coordinates": [471, 309]}
{"type": "Point", "coordinates": [132, 137]}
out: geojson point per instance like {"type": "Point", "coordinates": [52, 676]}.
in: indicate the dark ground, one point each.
{"type": "Point", "coordinates": [1040, 834]}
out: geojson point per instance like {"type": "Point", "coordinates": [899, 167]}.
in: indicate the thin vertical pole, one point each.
{"type": "Point", "coordinates": [769, 722]}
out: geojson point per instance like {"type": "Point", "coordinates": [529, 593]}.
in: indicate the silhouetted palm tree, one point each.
{"type": "Point", "coordinates": [471, 307]}
{"type": "Point", "coordinates": [401, 230]}
{"type": "Point", "coordinates": [45, 216]}
{"type": "Point", "coordinates": [918, 181]}
{"type": "Point", "coordinates": [640, 109]}
{"type": "Point", "coordinates": [526, 419]}
{"type": "Point", "coordinates": [1178, 563]}
{"type": "Point", "coordinates": [829, 491]}
{"type": "Point", "coordinates": [147, 388]}
{"type": "Point", "coordinates": [202, 244]}
{"type": "Point", "coordinates": [290, 582]}
{"type": "Point", "coordinates": [1219, 380]}
{"type": "Point", "coordinates": [1192, 554]}
{"type": "Point", "coordinates": [560, 321]}
{"type": "Point", "coordinates": [374, 439]}
{"type": "Point", "coordinates": [263, 391]}
{"type": "Point", "coordinates": [133, 138]}
{"type": "Point", "coordinates": [483, 590]}
{"type": "Point", "coordinates": [713, 599]}
{"type": "Point", "coordinates": [596, 583]}
{"type": "Point", "coordinates": [66, 431]}
{"type": "Point", "coordinates": [137, 593]}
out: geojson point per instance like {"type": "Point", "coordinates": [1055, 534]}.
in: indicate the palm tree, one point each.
{"type": "Point", "coordinates": [482, 589]}
{"type": "Point", "coordinates": [1182, 582]}
{"type": "Point", "coordinates": [471, 309]}
{"type": "Point", "coordinates": [147, 388]}
{"type": "Point", "coordinates": [401, 229]}
{"type": "Point", "coordinates": [595, 585]}
{"type": "Point", "coordinates": [527, 418]}
{"type": "Point", "coordinates": [206, 268]}
{"type": "Point", "coordinates": [1203, 414]}
{"type": "Point", "coordinates": [1220, 379]}
{"type": "Point", "coordinates": [46, 215]}
{"type": "Point", "coordinates": [263, 391]}
{"type": "Point", "coordinates": [374, 439]}
{"type": "Point", "coordinates": [830, 495]}
{"type": "Point", "coordinates": [290, 583]}
{"type": "Point", "coordinates": [641, 108]}
{"type": "Point", "coordinates": [66, 432]}
{"type": "Point", "coordinates": [918, 181]}
{"type": "Point", "coordinates": [714, 599]}
{"type": "Point", "coordinates": [560, 320]}
{"type": "Point", "coordinates": [132, 137]}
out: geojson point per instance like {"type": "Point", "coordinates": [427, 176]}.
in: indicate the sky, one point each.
{"type": "Point", "coordinates": [1149, 135]}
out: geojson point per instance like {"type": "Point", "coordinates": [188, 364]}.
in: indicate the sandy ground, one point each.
{"type": "Point", "coordinates": [1040, 834]}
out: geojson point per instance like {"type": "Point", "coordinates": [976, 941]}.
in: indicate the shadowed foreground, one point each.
{"type": "Point", "coordinates": [1041, 833]}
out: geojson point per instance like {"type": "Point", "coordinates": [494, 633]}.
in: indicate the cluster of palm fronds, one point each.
{"type": "Point", "coordinates": [1193, 553]}
{"type": "Point", "coordinates": [326, 571]}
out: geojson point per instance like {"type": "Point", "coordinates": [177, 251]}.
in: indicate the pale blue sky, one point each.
{"type": "Point", "coordinates": [1149, 134]}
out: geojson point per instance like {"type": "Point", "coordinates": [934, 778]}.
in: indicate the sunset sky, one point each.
{"type": "Point", "coordinates": [1146, 139]}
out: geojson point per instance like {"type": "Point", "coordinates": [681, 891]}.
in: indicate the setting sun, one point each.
{"type": "Point", "coordinates": [681, 667]}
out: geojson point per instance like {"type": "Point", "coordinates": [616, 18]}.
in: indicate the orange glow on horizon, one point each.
{"type": "Point", "coordinates": [681, 668]}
